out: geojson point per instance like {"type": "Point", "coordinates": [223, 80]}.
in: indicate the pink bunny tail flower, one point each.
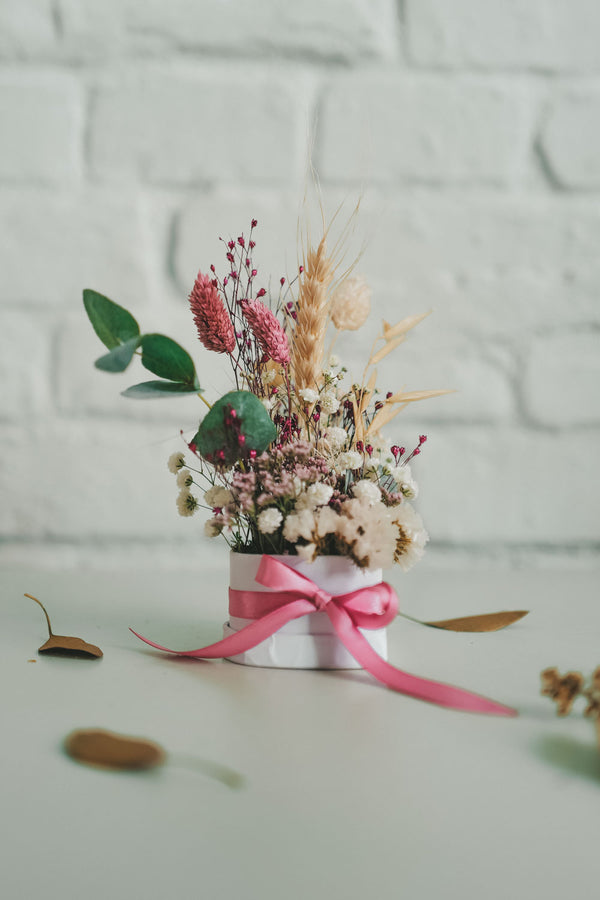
{"type": "Point", "coordinates": [215, 329]}
{"type": "Point", "coordinates": [267, 330]}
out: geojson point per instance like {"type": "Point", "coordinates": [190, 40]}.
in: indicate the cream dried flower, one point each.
{"type": "Point", "coordinates": [329, 403]}
{"type": "Point", "coordinates": [309, 395]}
{"type": "Point", "coordinates": [269, 520]}
{"type": "Point", "coordinates": [175, 462]}
{"type": "Point", "coordinates": [307, 552]}
{"type": "Point", "coordinates": [213, 528]}
{"type": "Point", "coordinates": [351, 304]}
{"type": "Point", "coordinates": [218, 496]}
{"type": "Point", "coordinates": [184, 478]}
{"type": "Point", "coordinates": [336, 437]}
{"type": "Point", "coordinates": [187, 504]}
{"type": "Point", "coordinates": [317, 494]}
{"type": "Point", "coordinates": [367, 492]}
{"type": "Point", "coordinates": [411, 536]}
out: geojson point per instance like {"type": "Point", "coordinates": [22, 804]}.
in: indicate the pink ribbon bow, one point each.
{"type": "Point", "coordinates": [369, 608]}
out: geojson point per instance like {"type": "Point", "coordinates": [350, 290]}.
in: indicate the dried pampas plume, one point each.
{"type": "Point", "coordinates": [351, 304]}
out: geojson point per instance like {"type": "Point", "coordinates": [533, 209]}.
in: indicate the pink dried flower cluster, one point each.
{"type": "Point", "coordinates": [267, 330]}
{"type": "Point", "coordinates": [215, 329]}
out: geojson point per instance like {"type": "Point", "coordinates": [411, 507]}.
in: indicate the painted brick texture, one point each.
{"type": "Point", "coordinates": [134, 134]}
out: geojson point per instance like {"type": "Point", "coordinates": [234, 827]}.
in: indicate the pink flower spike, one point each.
{"type": "Point", "coordinates": [212, 319]}
{"type": "Point", "coordinates": [267, 330]}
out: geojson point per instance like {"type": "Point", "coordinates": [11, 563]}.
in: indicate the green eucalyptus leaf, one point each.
{"type": "Point", "coordinates": [166, 358]}
{"type": "Point", "coordinates": [113, 324]}
{"type": "Point", "coordinates": [251, 420]}
{"type": "Point", "coordinates": [147, 390]}
{"type": "Point", "coordinates": [119, 357]}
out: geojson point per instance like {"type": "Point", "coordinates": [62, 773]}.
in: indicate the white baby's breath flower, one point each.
{"type": "Point", "coordinates": [315, 495]}
{"type": "Point", "coordinates": [411, 536]}
{"type": "Point", "coordinates": [269, 376]}
{"type": "Point", "coordinates": [351, 304]}
{"type": "Point", "coordinates": [306, 552]}
{"type": "Point", "coordinates": [334, 361]}
{"type": "Point", "coordinates": [325, 521]}
{"type": "Point", "coordinates": [269, 520]}
{"type": "Point", "coordinates": [268, 403]}
{"type": "Point", "coordinates": [218, 496]}
{"type": "Point", "coordinates": [336, 437]}
{"type": "Point", "coordinates": [187, 504]}
{"type": "Point", "coordinates": [372, 462]}
{"type": "Point", "coordinates": [309, 395]}
{"type": "Point", "coordinates": [349, 460]}
{"type": "Point", "coordinates": [406, 483]}
{"type": "Point", "coordinates": [184, 478]}
{"type": "Point", "coordinates": [329, 403]}
{"type": "Point", "coordinates": [213, 528]}
{"type": "Point", "coordinates": [366, 491]}
{"type": "Point", "coordinates": [175, 462]}
{"type": "Point", "coordinates": [299, 525]}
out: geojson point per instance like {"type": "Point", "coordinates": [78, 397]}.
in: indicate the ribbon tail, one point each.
{"type": "Point", "coordinates": [414, 686]}
{"type": "Point", "coordinates": [247, 637]}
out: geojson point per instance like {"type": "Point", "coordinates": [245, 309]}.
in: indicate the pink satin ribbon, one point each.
{"type": "Point", "coordinates": [369, 608]}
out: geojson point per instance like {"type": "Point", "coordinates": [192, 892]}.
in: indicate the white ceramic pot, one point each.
{"type": "Point", "coordinates": [309, 642]}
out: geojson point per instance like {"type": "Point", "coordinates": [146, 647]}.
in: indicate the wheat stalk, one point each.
{"type": "Point", "coordinates": [308, 343]}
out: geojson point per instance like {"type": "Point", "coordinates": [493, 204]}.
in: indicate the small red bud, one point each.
{"type": "Point", "coordinates": [253, 454]}
{"type": "Point", "coordinates": [254, 223]}
{"type": "Point", "coordinates": [282, 281]}
{"type": "Point", "coordinates": [261, 293]}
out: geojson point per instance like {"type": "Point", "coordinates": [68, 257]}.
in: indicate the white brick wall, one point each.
{"type": "Point", "coordinates": [134, 133]}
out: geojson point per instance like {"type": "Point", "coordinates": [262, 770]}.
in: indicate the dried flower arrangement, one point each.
{"type": "Point", "coordinates": [293, 461]}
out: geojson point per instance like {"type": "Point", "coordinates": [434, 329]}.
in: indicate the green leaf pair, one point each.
{"type": "Point", "coordinates": [120, 333]}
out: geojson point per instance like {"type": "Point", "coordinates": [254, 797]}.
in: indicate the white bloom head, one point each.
{"type": "Point", "coordinates": [316, 494]}
{"type": "Point", "coordinates": [184, 478]}
{"type": "Point", "coordinates": [306, 551]}
{"type": "Point", "coordinates": [187, 504]}
{"type": "Point", "coordinates": [213, 528]}
{"type": "Point", "coordinates": [308, 395]}
{"type": "Point", "coordinates": [175, 462]}
{"type": "Point", "coordinates": [329, 403]}
{"type": "Point", "coordinates": [406, 483]}
{"type": "Point", "coordinates": [367, 492]}
{"type": "Point", "coordinates": [269, 520]}
{"type": "Point", "coordinates": [299, 525]}
{"type": "Point", "coordinates": [349, 460]}
{"type": "Point", "coordinates": [218, 497]}
{"type": "Point", "coordinates": [336, 437]}
{"type": "Point", "coordinates": [411, 536]}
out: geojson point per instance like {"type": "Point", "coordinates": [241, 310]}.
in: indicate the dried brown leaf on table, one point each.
{"type": "Point", "coordinates": [65, 645]}
{"type": "Point", "coordinates": [485, 622]}
{"type": "Point", "coordinates": [109, 750]}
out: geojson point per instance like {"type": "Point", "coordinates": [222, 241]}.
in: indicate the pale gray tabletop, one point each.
{"type": "Point", "coordinates": [350, 791]}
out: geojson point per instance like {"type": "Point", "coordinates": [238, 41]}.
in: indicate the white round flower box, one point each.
{"type": "Point", "coordinates": [309, 642]}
